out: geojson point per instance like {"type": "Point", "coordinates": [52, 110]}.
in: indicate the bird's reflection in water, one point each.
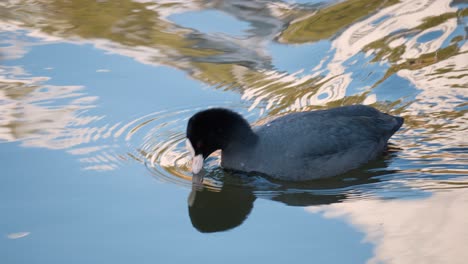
{"type": "Point", "coordinates": [228, 207]}
{"type": "Point", "coordinates": [214, 211]}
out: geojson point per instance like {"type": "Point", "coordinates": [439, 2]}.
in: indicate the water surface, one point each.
{"type": "Point", "coordinates": [95, 96]}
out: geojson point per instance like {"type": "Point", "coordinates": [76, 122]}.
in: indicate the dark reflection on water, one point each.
{"type": "Point", "coordinates": [221, 208]}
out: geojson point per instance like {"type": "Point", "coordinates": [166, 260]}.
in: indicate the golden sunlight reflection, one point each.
{"type": "Point", "coordinates": [250, 71]}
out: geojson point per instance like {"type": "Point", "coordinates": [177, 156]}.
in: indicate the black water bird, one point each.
{"type": "Point", "coordinates": [294, 147]}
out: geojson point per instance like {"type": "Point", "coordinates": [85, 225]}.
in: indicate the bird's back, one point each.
{"type": "Point", "coordinates": [316, 144]}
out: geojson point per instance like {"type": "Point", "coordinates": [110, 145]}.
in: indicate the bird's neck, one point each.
{"type": "Point", "coordinates": [238, 133]}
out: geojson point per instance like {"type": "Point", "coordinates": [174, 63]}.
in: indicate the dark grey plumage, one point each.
{"type": "Point", "coordinates": [302, 146]}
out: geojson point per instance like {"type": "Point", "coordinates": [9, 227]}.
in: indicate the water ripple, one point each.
{"type": "Point", "coordinates": [157, 140]}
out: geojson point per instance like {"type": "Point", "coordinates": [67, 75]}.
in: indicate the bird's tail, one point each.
{"type": "Point", "coordinates": [399, 123]}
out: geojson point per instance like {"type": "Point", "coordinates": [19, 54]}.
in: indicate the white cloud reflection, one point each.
{"type": "Point", "coordinates": [430, 230]}
{"type": "Point", "coordinates": [53, 117]}
{"type": "Point", "coordinates": [18, 235]}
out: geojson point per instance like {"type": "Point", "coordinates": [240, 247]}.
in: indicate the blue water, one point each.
{"type": "Point", "coordinates": [94, 100]}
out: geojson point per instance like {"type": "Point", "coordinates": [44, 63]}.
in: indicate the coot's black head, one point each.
{"type": "Point", "coordinates": [213, 129]}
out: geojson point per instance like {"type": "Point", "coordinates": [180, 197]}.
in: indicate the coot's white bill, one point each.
{"type": "Point", "coordinates": [197, 161]}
